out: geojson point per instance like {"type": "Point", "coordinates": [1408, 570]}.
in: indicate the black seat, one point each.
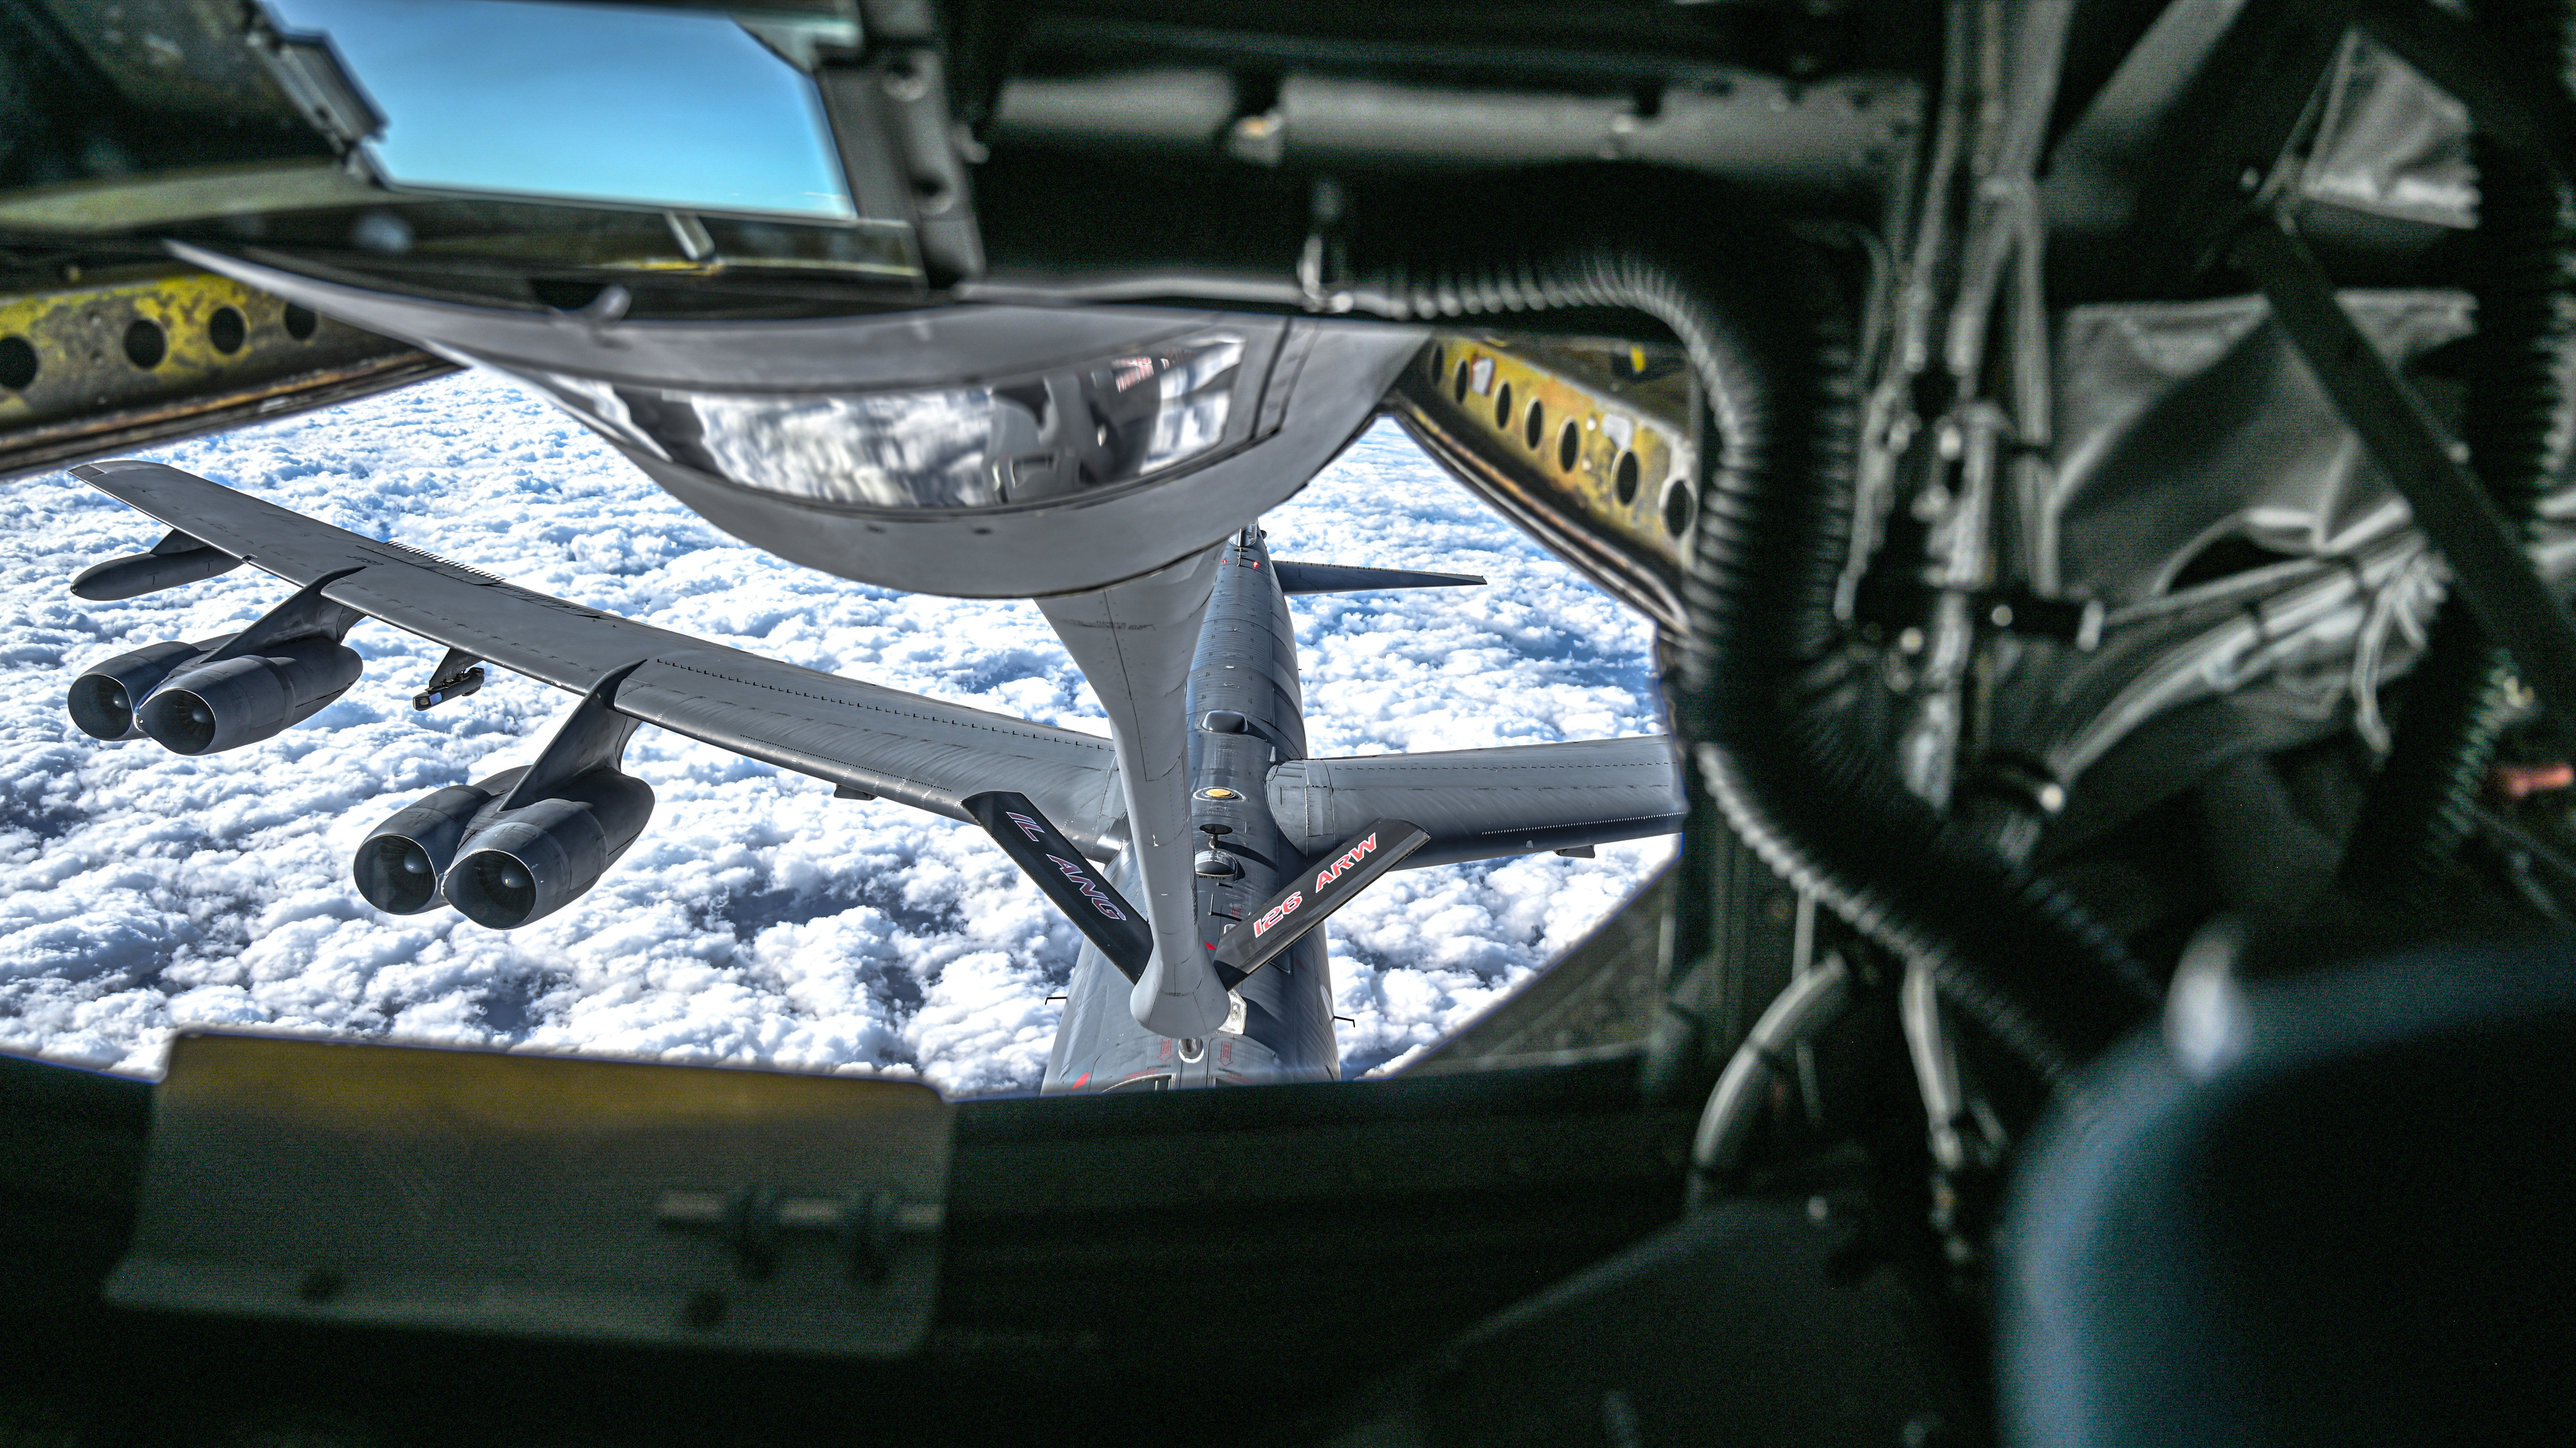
{"type": "Point", "coordinates": [2332, 1209]}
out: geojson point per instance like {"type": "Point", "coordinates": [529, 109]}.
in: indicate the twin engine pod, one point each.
{"type": "Point", "coordinates": [243, 700]}
{"type": "Point", "coordinates": [168, 692]}
{"type": "Point", "coordinates": [510, 850]}
{"type": "Point", "coordinates": [103, 700]}
{"type": "Point", "coordinates": [504, 867]}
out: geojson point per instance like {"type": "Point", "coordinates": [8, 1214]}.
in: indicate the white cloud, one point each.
{"type": "Point", "coordinates": [758, 919]}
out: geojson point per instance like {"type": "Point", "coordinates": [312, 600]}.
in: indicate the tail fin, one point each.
{"type": "Point", "coordinates": [1347, 870]}
{"type": "Point", "coordinates": [1093, 905]}
{"type": "Point", "coordinates": [1334, 578]}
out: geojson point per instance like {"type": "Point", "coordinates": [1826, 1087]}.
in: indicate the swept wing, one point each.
{"type": "Point", "coordinates": [885, 742]}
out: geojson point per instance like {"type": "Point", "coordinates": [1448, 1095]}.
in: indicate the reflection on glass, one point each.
{"type": "Point", "coordinates": [1127, 418]}
{"type": "Point", "coordinates": [889, 450]}
{"type": "Point", "coordinates": [1121, 420]}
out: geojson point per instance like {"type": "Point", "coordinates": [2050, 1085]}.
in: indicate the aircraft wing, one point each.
{"type": "Point", "coordinates": [1482, 803]}
{"type": "Point", "coordinates": [904, 747]}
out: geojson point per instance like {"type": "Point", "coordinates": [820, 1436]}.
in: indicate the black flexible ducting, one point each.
{"type": "Point", "coordinates": [1765, 672]}
{"type": "Point", "coordinates": [2521, 264]}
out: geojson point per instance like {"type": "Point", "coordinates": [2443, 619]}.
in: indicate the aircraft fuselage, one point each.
{"type": "Point", "coordinates": [1281, 1029]}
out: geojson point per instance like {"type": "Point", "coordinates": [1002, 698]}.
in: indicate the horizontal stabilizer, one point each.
{"type": "Point", "coordinates": [1337, 878]}
{"type": "Point", "coordinates": [1334, 578]}
{"type": "Point", "coordinates": [1077, 887]}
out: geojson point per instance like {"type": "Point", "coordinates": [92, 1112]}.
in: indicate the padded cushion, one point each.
{"type": "Point", "coordinates": [2334, 1209]}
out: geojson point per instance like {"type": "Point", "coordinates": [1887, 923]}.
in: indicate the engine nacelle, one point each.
{"type": "Point", "coordinates": [399, 865]}
{"type": "Point", "coordinates": [220, 706]}
{"type": "Point", "coordinates": [529, 862]}
{"type": "Point", "coordinates": [103, 699]}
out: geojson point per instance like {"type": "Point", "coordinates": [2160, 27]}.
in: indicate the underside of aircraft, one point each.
{"type": "Point", "coordinates": [2099, 472]}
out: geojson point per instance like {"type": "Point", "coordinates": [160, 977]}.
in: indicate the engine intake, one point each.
{"type": "Point", "coordinates": [102, 699]}
{"type": "Point", "coordinates": [400, 864]}
{"type": "Point", "coordinates": [220, 706]}
{"type": "Point", "coordinates": [534, 860]}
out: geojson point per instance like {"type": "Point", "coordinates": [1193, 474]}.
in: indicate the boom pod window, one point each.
{"type": "Point", "coordinates": [1099, 423]}
{"type": "Point", "coordinates": [1013, 480]}
{"type": "Point", "coordinates": [978, 451]}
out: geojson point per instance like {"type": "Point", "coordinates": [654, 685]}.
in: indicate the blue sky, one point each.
{"type": "Point", "coordinates": [675, 107]}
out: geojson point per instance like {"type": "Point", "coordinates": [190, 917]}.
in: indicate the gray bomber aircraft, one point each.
{"type": "Point", "coordinates": [1221, 978]}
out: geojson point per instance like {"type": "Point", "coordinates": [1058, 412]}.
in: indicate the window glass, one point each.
{"type": "Point", "coordinates": [666, 107]}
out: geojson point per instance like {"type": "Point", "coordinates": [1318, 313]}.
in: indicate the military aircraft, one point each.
{"type": "Point", "coordinates": [2100, 472]}
{"type": "Point", "coordinates": [1198, 662]}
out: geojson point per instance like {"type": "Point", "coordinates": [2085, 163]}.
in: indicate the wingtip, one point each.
{"type": "Point", "coordinates": [101, 467]}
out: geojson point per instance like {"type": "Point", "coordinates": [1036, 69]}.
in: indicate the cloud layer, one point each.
{"type": "Point", "coordinates": [758, 919]}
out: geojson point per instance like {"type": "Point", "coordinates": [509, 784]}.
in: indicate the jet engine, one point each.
{"type": "Point", "coordinates": [533, 860]}
{"type": "Point", "coordinates": [243, 700]}
{"type": "Point", "coordinates": [103, 699]}
{"type": "Point", "coordinates": [400, 863]}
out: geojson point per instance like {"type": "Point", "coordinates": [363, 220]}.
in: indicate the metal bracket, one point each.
{"type": "Point", "coordinates": [2260, 94]}
{"type": "Point", "coordinates": [457, 675]}
{"type": "Point", "coordinates": [757, 1221]}
{"type": "Point", "coordinates": [1892, 603]}
{"type": "Point", "coordinates": [309, 71]}
{"type": "Point", "coordinates": [805, 35]}
{"type": "Point", "coordinates": [544, 1197]}
{"type": "Point", "coordinates": [904, 158]}
{"type": "Point", "coordinates": [2237, 129]}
